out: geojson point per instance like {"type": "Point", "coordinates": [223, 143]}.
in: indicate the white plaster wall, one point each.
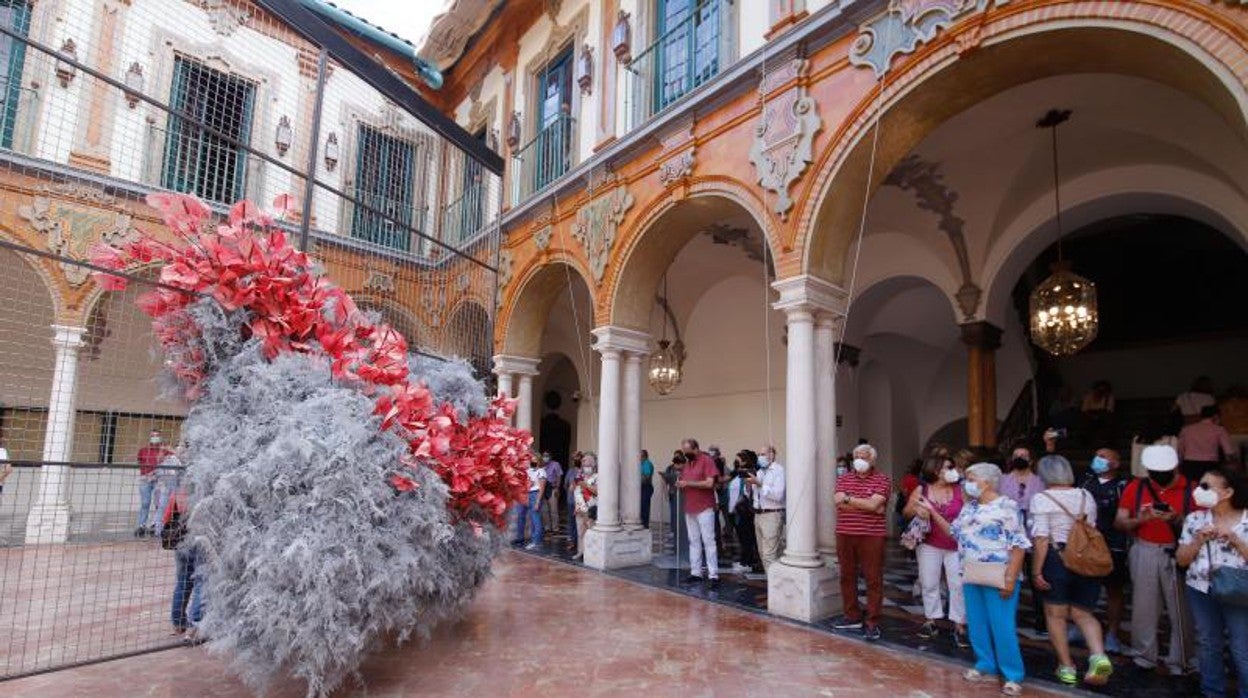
{"type": "Point", "coordinates": [753, 22]}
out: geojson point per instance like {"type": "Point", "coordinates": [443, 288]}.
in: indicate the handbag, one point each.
{"type": "Point", "coordinates": [915, 533]}
{"type": "Point", "coordinates": [172, 534]}
{"type": "Point", "coordinates": [1228, 585]}
{"type": "Point", "coordinates": [1086, 553]}
{"type": "Point", "coordinates": [987, 574]}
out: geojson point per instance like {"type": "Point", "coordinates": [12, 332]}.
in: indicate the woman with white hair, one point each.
{"type": "Point", "coordinates": [1067, 594]}
{"type": "Point", "coordinates": [991, 543]}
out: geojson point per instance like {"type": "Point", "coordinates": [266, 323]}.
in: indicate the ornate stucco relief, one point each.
{"type": "Point", "coordinates": [904, 26]}
{"type": "Point", "coordinates": [224, 16]}
{"type": "Point", "coordinates": [72, 228]}
{"type": "Point", "coordinates": [784, 138]}
{"type": "Point", "coordinates": [676, 168]}
{"type": "Point", "coordinates": [505, 269]}
{"type": "Point", "coordinates": [379, 282]}
{"type": "Point", "coordinates": [596, 225]}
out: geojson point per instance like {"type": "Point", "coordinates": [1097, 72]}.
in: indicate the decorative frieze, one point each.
{"type": "Point", "coordinates": [677, 168]}
{"type": "Point", "coordinates": [596, 225]}
{"type": "Point", "coordinates": [225, 16]}
{"type": "Point", "coordinates": [73, 227]}
{"type": "Point", "coordinates": [903, 27]}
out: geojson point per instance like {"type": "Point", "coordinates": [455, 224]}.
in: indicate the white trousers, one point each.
{"type": "Point", "coordinates": [932, 561]}
{"type": "Point", "coordinates": [702, 535]}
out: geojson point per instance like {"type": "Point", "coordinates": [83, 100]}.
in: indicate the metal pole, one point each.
{"type": "Point", "coordinates": [309, 187]}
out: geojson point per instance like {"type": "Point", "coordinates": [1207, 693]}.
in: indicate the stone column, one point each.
{"type": "Point", "coordinates": [518, 372]}
{"type": "Point", "coordinates": [609, 544]}
{"type": "Point", "coordinates": [630, 444]}
{"type": "Point", "coordinates": [825, 428]}
{"type": "Point", "coordinates": [801, 586]}
{"type": "Point", "coordinates": [982, 341]}
{"type": "Point", "coordinates": [48, 521]}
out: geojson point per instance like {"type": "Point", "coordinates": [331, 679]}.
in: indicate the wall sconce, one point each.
{"type": "Point", "coordinates": [585, 69]}
{"type": "Point", "coordinates": [331, 152]}
{"type": "Point", "coordinates": [513, 130]}
{"type": "Point", "coordinates": [65, 72]}
{"type": "Point", "coordinates": [283, 136]}
{"type": "Point", "coordinates": [134, 84]}
{"type": "Point", "coordinates": [622, 39]}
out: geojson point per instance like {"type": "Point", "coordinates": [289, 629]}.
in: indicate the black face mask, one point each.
{"type": "Point", "coordinates": [1162, 478]}
{"type": "Point", "coordinates": [1019, 463]}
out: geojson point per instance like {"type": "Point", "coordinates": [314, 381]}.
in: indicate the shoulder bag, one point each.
{"type": "Point", "coordinates": [985, 574]}
{"type": "Point", "coordinates": [1227, 585]}
{"type": "Point", "coordinates": [1086, 552]}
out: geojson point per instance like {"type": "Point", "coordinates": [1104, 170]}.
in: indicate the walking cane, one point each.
{"type": "Point", "coordinates": [1177, 618]}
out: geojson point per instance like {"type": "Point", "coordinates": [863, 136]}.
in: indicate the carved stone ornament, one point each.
{"type": "Point", "coordinates": [596, 225]}
{"type": "Point", "coordinates": [379, 282]}
{"type": "Point", "coordinates": [542, 238]}
{"type": "Point", "coordinates": [968, 299]}
{"type": "Point", "coordinates": [903, 27]}
{"type": "Point", "coordinates": [505, 264]}
{"type": "Point", "coordinates": [225, 16]}
{"type": "Point", "coordinates": [783, 141]}
{"type": "Point", "coordinates": [677, 168]}
{"type": "Point", "coordinates": [72, 229]}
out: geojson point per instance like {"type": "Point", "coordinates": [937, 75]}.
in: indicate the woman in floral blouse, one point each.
{"type": "Point", "coordinates": [1217, 536]}
{"type": "Point", "coordinates": [990, 530]}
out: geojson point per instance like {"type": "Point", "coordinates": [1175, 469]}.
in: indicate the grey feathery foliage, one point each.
{"type": "Point", "coordinates": [451, 380]}
{"type": "Point", "coordinates": [311, 558]}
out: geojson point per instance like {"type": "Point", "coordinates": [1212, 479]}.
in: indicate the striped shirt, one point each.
{"type": "Point", "coordinates": [855, 522]}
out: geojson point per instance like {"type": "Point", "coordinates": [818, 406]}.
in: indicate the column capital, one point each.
{"type": "Point", "coordinates": [981, 335]}
{"type": "Point", "coordinates": [621, 339]}
{"type": "Point", "coordinates": [518, 365]}
{"type": "Point", "coordinates": [68, 336]}
{"type": "Point", "coordinates": [812, 295]}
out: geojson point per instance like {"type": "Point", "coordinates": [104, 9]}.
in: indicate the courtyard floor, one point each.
{"type": "Point", "coordinates": [541, 627]}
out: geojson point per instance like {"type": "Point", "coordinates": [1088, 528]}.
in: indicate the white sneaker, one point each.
{"type": "Point", "coordinates": [738, 568]}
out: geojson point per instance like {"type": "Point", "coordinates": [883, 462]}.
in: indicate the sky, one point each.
{"type": "Point", "coordinates": [408, 18]}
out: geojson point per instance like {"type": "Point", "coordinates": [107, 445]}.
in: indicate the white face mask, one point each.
{"type": "Point", "coordinates": [952, 476]}
{"type": "Point", "coordinates": [763, 461]}
{"type": "Point", "coordinates": [861, 465]}
{"type": "Point", "coordinates": [154, 440]}
{"type": "Point", "coordinates": [1205, 498]}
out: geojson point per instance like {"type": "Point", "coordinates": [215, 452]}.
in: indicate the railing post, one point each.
{"type": "Point", "coordinates": [309, 189]}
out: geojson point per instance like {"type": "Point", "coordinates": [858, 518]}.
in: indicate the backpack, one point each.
{"type": "Point", "coordinates": [172, 534]}
{"type": "Point", "coordinates": [1086, 552]}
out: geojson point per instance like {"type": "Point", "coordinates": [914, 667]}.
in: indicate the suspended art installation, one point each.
{"type": "Point", "coordinates": [1063, 307]}
{"type": "Point", "coordinates": [342, 491]}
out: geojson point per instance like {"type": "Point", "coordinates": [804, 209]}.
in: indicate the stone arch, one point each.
{"type": "Point", "coordinates": [395, 314]}
{"type": "Point", "coordinates": [1102, 195]}
{"type": "Point", "coordinates": [42, 269]}
{"type": "Point", "coordinates": [1187, 47]}
{"type": "Point", "coordinates": [522, 321]}
{"type": "Point", "coordinates": [664, 227]}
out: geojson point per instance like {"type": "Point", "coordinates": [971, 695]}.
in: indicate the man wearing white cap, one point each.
{"type": "Point", "coordinates": [1151, 510]}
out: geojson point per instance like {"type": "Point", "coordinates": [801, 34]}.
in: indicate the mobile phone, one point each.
{"type": "Point", "coordinates": [1161, 506]}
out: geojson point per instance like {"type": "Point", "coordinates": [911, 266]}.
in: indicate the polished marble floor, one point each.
{"type": "Point", "coordinates": [543, 628]}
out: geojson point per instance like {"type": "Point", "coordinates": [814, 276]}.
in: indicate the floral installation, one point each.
{"type": "Point", "coordinates": [344, 492]}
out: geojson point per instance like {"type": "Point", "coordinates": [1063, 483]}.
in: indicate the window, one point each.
{"type": "Point", "coordinates": [199, 162]}
{"type": "Point", "coordinates": [385, 180]}
{"type": "Point", "coordinates": [15, 16]}
{"type": "Point", "coordinates": [554, 138]}
{"type": "Point", "coordinates": [472, 201]}
{"type": "Point", "coordinates": [689, 37]}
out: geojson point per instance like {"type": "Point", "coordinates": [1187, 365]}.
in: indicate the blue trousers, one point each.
{"type": "Point", "coordinates": [147, 487]}
{"type": "Point", "coordinates": [572, 532]}
{"type": "Point", "coordinates": [531, 512]}
{"type": "Point", "coordinates": [1218, 625]}
{"type": "Point", "coordinates": [188, 589]}
{"type": "Point", "coordinates": [993, 631]}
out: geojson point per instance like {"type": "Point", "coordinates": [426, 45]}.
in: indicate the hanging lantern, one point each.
{"type": "Point", "coordinates": [1063, 312]}
{"type": "Point", "coordinates": [665, 368]}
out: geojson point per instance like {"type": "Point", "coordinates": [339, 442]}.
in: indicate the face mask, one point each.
{"type": "Point", "coordinates": [861, 465]}
{"type": "Point", "coordinates": [763, 461]}
{"type": "Point", "coordinates": [841, 469]}
{"type": "Point", "coordinates": [1162, 478]}
{"type": "Point", "coordinates": [154, 440]}
{"type": "Point", "coordinates": [972, 489]}
{"type": "Point", "coordinates": [1019, 463]}
{"type": "Point", "coordinates": [1100, 466]}
{"type": "Point", "coordinates": [1205, 498]}
{"type": "Point", "coordinates": [952, 476]}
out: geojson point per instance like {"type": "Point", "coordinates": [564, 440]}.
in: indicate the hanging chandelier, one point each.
{"type": "Point", "coordinates": [1063, 307]}
{"type": "Point", "coordinates": [667, 364]}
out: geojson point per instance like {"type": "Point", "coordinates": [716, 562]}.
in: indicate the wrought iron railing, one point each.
{"type": "Point", "coordinates": [465, 216]}
{"type": "Point", "coordinates": [544, 159]}
{"type": "Point", "coordinates": [685, 55]}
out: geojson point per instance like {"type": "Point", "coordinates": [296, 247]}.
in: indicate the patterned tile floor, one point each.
{"type": "Point", "coordinates": [903, 614]}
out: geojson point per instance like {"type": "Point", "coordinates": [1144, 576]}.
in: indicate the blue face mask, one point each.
{"type": "Point", "coordinates": [1100, 466]}
{"type": "Point", "coordinates": [972, 489]}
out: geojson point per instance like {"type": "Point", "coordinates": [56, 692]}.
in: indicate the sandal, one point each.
{"type": "Point", "coordinates": [1011, 688]}
{"type": "Point", "coordinates": [975, 675]}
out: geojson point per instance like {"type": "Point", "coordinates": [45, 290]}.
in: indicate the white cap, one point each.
{"type": "Point", "coordinates": [1159, 459]}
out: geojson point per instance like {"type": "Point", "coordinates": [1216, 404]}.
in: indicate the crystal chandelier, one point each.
{"type": "Point", "coordinates": [1063, 309]}
{"type": "Point", "coordinates": [667, 364]}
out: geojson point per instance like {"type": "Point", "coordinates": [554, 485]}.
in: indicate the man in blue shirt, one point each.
{"type": "Point", "coordinates": [647, 487]}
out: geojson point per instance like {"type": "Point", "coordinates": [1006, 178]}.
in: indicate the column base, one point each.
{"type": "Point", "coordinates": [807, 594]}
{"type": "Point", "coordinates": [47, 523]}
{"type": "Point", "coordinates": [608, 550]}
{"type": "Point", "coordinates": [828, 553]}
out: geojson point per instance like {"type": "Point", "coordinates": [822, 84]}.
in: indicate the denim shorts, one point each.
{"type": "Point", "coordinates": [1068, 587]}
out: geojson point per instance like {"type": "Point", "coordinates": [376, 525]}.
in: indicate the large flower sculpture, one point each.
{"type": "Point", "coordinates": [338, 499]}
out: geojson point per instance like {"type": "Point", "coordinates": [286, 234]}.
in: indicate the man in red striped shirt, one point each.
{"type": "Point", "coordinates": [861, 532]}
